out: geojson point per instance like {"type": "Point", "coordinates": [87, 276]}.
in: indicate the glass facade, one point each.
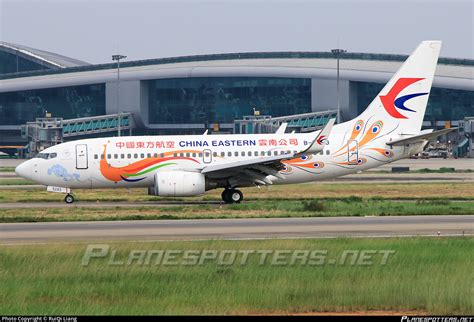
{"type": "Point", "coordinates": [223, 99]}
{"type": "Point", "coordinates": [10, 63]}
{"type": "Point", "coordinates": [19, 107]}
{"type": "Point", "coordinates": [443, 104]}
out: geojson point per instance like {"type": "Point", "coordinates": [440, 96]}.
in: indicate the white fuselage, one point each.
{"type": "Point", "coordinates": [132, 161]}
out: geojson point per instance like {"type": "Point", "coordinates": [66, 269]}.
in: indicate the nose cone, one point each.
{"type": "Point", "coordinates": [24, 170]}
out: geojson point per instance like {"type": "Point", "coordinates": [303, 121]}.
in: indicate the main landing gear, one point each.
{"type": "Point", "coordinates": [69, 198]}
{"type": "Point", "coordinates": [232, 195]}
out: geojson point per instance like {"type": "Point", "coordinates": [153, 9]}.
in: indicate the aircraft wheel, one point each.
{"type": "Point", "coordinates": [236, 195]}
{"type": "Point", "coordinates": [226, 196]}
{"type": "Point", "coordinates": [69, 198]}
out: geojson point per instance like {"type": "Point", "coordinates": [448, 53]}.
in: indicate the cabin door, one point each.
{"type": "Point", "coordinates": [81, 156]}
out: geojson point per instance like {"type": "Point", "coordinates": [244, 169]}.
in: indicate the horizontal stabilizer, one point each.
{"type": "Point", "coordinates": [420, 137]}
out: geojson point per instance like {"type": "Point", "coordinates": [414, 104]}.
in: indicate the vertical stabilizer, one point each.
{"type": "Point", "coordinates": [404, 98]}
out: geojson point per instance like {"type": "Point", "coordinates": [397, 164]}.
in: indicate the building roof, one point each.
{"type": "Point", "coordinates": [451, 72]}
{"type": "Point", "coordinates": [42, 57]}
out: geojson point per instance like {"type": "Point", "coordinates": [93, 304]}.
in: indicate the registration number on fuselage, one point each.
{"type": "Point", "coordinates": [58, 189]}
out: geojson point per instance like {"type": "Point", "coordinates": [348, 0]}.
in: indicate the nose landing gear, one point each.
{"type": "Point", "coordinates": [69, 198]}
{"type": "Point", "coordinates": [232, 196]}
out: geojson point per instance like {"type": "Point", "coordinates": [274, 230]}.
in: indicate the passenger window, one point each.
{"type": "Point", "coordinates": [249, 153]}
{"type": "Point", "coordinates": [327, 152]}
{"type": "Point", "coordinates": [122, 156]}
{"type": "Point", "coordinates": [236, 153]}
{"type": "Point", "coordinates": [194, 155]}
{"type": "Point", "coordinates": [275, 152]}
{"type": "Point", "coordinates": [214, 154]}
{"type": "Point", "coordinates": [135, 156]}
{"type": "Point", "coordinates": [102, 156]}
{"type": "Point", "coordinates": [129, 156]}
{"type": "Point", "coordinates": [175, 154]}
{"type": "Point", "coordinates": [188, 155]}
{"type": "Point", "coordinates": [200, 154]}
{"type": "Point", "coordinates": [162, 155]}
{"type": "Point", "coordinates": [109, 156]}
{"type": "Point", "coordinates": [262, 153]}
{"type": "Point", "coordinates": [142, 155]}
{"type": "Point", "coordinates": [255, 153]}
{"type": "Point", "coordinates": [242, 153]}
{"type": "Point", "coordinates": [115, 156]}
{"type": "Point", "coordinates": [229, 154]}
{"type": "Point", "coordinates": [222, 154]}
{"type": "Point", "coordinates": [53, 155]}
{"type": "Point", "coordinates": [269, 153]}
{"type": "Point", "coordinates": [148, 155]}
{"type": "Point", "coordinates": [96, 156]}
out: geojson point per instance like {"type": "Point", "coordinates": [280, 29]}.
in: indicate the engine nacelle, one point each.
{"type": "Point", "coordinates": [178, 184]}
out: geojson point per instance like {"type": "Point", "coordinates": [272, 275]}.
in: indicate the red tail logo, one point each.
{"type": "Point", "coordinates": [391, 102]}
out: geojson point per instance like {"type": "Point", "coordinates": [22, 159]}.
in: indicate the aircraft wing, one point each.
{"type": "Point", "coordinates": [260, 169]}
{"type": "Point", "coordinates": [420, 137]}
{"type": "Point", "coordinates": [252, 170]}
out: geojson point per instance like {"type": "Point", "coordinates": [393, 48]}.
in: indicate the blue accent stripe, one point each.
{"type": "Point", "coordinates": [399, 102]}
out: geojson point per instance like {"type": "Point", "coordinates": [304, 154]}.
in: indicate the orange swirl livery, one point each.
{"type": "Point", "coordinates": [139, 168]}
{"type": "Point", "coordinates": [355, 132]}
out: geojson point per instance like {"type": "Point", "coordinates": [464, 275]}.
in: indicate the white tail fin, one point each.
{"type": "Point", "coordinates": [402, 102]}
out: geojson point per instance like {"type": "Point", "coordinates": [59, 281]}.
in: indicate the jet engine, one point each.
{"type": "Point", "coordinates": [178, 184]}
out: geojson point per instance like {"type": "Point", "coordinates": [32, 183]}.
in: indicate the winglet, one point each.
{"type": "Point", "coordinates": [321, 140]}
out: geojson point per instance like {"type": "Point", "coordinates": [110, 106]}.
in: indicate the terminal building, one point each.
{"type": "Point", "coordinates": [187, 95]}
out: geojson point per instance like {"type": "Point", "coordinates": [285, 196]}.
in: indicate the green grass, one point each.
{"type": "Point", "coordinates": [7, 169]}
{"type": "Point", "coordinates": [308, 191]}
{"type": "Point", "coordinates": [15, 181]}
{"type": "Point", "coordinates": [328, 207]}
{"type": "Point", "coordinates": [424, 275]}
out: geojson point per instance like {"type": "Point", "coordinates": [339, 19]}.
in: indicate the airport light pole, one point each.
{"type": "Point", "coordinates": [338, 52]}
{"type": "Point", "coordinates": [117, 58]}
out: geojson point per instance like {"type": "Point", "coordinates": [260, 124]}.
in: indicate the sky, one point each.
{"type": "Point", "coordinates": [94, 30]}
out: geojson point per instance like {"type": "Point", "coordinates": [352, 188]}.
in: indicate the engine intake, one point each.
{"type": "Point", "coordinates": [178, 184]}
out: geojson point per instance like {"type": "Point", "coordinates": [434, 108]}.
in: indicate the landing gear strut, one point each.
{"type": "Point", "coordinates": [69, 198]}
{"type": "Point", "coordinates": [232, 195]}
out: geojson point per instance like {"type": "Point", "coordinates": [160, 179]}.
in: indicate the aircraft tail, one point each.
{"type": "Point", "coordinates": [402, 102]}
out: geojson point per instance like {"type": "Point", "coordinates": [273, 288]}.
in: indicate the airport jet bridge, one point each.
{"type": "Point", "coordinates": [306, 122]}
{"type": "Point", "coordinates": [49, 131]}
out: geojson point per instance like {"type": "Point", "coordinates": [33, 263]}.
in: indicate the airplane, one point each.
{"type": "Point", "coordinates": [179, 166]}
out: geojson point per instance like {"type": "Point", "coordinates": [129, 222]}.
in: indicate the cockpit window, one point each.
{"type": "Point", "coordinates": [47, 155]}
